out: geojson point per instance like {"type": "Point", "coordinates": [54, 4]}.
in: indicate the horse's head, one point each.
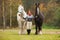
{"type": "Point", "coordinates": [37, 8]}
{"type": "Point", "coordinates": [37, 4]}
{"type": "Point", "coordinates": [22, 11]}
{"type": "Point", "coordinates": [20, 8]}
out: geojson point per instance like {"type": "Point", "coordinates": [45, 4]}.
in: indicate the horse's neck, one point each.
{"type": "Point", "coordinates": [38, 10]}
{"type": "Point", "coordinates": [24, 14]}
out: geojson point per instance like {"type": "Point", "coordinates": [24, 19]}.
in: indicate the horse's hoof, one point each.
{"type": "Point", "coordinates": [40, 32]}
{"type": "Point", "coordinates": [36, 33]}
{"type": "Point", "coordinates": [19, 33]}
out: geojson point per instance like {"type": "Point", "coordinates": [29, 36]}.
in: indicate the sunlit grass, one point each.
{"type": "Point", "coordinates": [12, 34]}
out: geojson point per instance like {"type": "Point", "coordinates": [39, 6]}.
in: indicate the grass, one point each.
{"type": "Point", "coordinates": [46, 26]}
{"type": "Point", "coordinates": [12, 34]}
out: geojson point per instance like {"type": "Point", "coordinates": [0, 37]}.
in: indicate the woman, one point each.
{"type": "Point", "coordinates": [29, 21]}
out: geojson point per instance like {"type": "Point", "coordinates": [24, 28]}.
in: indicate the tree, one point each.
{"type": "Point", "coordinates": [10, 13]}
{"type": "Point", "coordinates": [3, 17]}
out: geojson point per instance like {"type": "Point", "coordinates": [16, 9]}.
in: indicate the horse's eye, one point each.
{"type": "Point", "coordinates": [19, 14]}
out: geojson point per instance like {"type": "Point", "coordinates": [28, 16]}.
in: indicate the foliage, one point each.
{"type": "Point", "coordinates": [50, 9]}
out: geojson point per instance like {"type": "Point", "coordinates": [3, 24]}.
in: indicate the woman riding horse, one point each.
{"type": "Point", "coordinates": [38, 19]}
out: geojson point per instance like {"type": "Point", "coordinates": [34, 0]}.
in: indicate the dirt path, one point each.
{"type": "Point", "coordinates": [33, 31]}
{"type": "Point", "coordinates": [49, 31]}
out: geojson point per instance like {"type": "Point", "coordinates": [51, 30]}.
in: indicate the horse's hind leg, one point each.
{"type": "Point", "coordinates": [40, 27]}
{"type": "Point", "coordinates": [36, 29]}
{"type": "Point", "coordinates": [40, 30]}
{"type": "Point", "coordinates": [24, 27]}
{"type": "Point", "coordinates": [20, 27]}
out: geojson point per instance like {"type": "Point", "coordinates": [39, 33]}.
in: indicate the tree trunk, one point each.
{"type": "Point", "coordinates": [10, 14]}
{"type": "Point", "coordinates": [3, 17]}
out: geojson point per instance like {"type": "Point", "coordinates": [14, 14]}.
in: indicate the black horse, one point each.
{"type": "Point", "coordinates": [39, 17]}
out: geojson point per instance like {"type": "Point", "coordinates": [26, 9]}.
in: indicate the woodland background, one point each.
{"type": "Point", "coordinates": [50, 9]}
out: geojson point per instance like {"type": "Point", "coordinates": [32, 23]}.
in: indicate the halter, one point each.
{"type": "Point", "coordinates": [22, 11]}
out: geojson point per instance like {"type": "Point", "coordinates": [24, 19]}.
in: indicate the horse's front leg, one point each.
{"type": "Point", "coordinates": [20, 27]}
{"type": "Point", "coordinates": [24, 27]}
{"type": "Point", "coordinates": [36, 29]}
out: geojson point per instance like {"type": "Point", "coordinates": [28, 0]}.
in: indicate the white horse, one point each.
{"type": "Point", "coordinates": [21, 15]}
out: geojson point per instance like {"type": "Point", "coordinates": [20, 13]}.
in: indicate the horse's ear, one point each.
{"type": "Point", "coordinates": [35, 3]}
{"type": "Point", "coordinates": [38, 3]}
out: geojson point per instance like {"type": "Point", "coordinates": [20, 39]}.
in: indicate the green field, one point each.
{"type": "Point", "coordinates": [12, 34]}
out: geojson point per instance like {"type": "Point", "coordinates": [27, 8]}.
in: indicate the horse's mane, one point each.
{"type": "Point", "coordinates": [38, 13]}
{"type": "Point", "coordinates": [37, 6]}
